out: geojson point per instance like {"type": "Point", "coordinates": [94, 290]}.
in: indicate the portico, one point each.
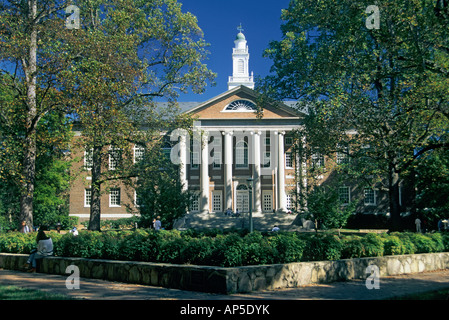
{"type": "Point", "coordinates": [231, 146]}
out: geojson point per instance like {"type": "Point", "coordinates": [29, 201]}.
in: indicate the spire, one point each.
{"type": "Point", "coordinates": [240, 58]}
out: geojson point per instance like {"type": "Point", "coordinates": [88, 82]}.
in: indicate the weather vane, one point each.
{"type": "Point", "coordinates": [240, 28]}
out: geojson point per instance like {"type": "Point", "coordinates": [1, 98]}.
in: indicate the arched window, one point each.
{"type": "Point", "coordinates": [241, 154]}
{"type": "Point", "coordinates": [242, 187]}
{"type": "Point", "coordinates": [241, 106]}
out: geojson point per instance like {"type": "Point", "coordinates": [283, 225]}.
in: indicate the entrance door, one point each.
{"type": "Point", "coordinates": [242, 198]}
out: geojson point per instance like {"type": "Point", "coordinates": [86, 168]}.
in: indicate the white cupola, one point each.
{"type": "Point", "coordinates": [240, 58]}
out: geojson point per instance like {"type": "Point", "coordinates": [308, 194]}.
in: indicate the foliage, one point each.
{"type": "Point", "coordinates": [226, 249]}
{"type": "Point", "coordinates": [324, 205]}
{"type": "Point", "coordinates": [322, 246]}
{"type": "Point", "coordinates": [355, 246]}
{"type": "Point", "coordinates": [387, 86]}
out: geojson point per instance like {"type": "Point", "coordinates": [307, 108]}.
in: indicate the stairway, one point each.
{"type": "Point", "coordinates": [261, 222]}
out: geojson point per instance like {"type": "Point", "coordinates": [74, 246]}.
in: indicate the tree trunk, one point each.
{"type": "Point", "coordinates": [95, 205]}
{"type": "Point", "coordinates": [395, 208]}
{"type": "Point", "coordinates": [29, 157]}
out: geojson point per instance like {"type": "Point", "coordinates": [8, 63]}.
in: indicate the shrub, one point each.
{"type": "Point", "coordinates": [322, 247]}
{"type": "Point", "coordinates": [423, 243]}
{"type": "Point", "coordinates": [407, 241]}
{"type": "Point", "coordinates": [288, 246]}
{"type": "Point", "coordinates": [352, 247]}
{"type": "Point", "coordinates": [393, 246]}
{"type": "Point", "coordinates": [373, 245]}
{"type": "Point", "coordinates": [198, 251]}
{"type": "Point", "coordinates": [257, 249]}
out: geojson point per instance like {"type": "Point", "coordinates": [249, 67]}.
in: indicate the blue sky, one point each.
{"type": "Point", "coordinates": [219, 20]}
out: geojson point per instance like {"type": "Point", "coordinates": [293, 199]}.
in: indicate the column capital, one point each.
{"type": "Point", "coordinates": [227, 132]}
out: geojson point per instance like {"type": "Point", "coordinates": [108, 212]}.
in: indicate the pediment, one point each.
{"type": "Point", "coordinates": [240, 103]}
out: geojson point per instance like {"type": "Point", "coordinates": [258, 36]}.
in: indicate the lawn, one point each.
{"type": "Point", "coordinates": [17, 293]}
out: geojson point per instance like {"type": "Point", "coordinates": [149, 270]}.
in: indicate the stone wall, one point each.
{"type": "Point", "coordinates": [233, 280]}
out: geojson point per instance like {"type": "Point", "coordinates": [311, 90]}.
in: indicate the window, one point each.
{"type": "Point", "coordinates": [88, 159]}
{"type": "Point", "coordinates": [138, 153]}
{"type": "Point", "coordinates": [288, 141]}
{"type": "Point", "coordinates": [289, 201]}
{"type": "Point", "coordinates": [241, 155]}
{"type": "Point", "coordinates": [195, 204]}
{"type": "Point", "coordinates": [266, 159]}
{"type": "Point", "coordinates": [317, 160]}
{"type": "Point", "coordinates": [137, 199]}
{"type": "Point", "coordinates": [288, 160]}
{"type": "Point", "coordinates": [217, 153]}
{"type": "Point", "coordinates": [241, 106]}
{"type": "Point", "coordinates": [87, 197]}
{"type": "Point", "coordinates": [216, 201]}
{"type": "Point", "coordinates": [114, 197]}
{"type": "Point", "coordinates": [217, 160]}
{"type": "Point", "coordinates": [267, 141]}
{"type": "Point", "coordinates": [115, 156]}
{"type": "Point", "coordinates": [343, 156]}
{"type": "Point", "coordinates": [267, 201]}
{"type": "Point", "coordinates": [195, 160]}
{"type": "Point", "coordinates": [344, 195]}
{"type": "Point", "coordinates": [370, 197]}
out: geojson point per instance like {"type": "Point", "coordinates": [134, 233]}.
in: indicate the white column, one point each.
{"type": "Point", "coordinates": [282, 199]}
{"type": "Point", "coordinates": [205, 173]}
{"type": "Point", "coordinates": [256, 173]}
{"type": "Point", "coordinates": [228, 143]}
{"type": "Point", "coordinates": [183, 162]}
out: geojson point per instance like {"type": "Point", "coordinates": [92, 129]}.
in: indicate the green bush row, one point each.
{"type": "Point", "coordinates": [227, 249]}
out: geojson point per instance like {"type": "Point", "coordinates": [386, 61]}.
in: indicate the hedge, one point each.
{"type": "Point", "coordinates": [227, 249]}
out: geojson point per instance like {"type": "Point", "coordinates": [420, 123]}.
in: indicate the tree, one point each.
{"type": "Point", "coordinates": [31, 62]}
{"type": "Point", "coordinates": [158, 187]}
{"type": "Point", "coordinates": [378, 92]}
{"type": "Point", "coordinates": [130, 53]}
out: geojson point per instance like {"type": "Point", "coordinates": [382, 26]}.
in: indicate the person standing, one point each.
{"type": "Point", "coordinates": [418, 224]}
{"type": "Point", "coordinates": [157, 225]}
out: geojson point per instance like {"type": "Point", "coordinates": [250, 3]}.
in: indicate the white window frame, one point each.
{"type": "Point", "coordinates": [266, 162]}
{"type": "Point", "coordinates": [318, 160]}
{"type": "Point", "coordinates": [348, 194]}
{"type": "Point", "coordinates": [195, 160]}
{"type": "Point", "coordinates": [112, 195]}
{"type": "Point", "coordinates": [195, 204]}
{"type": "Point", "coordinates": [88, 159]}
{"type": "Point", "coordinates": [217, 201]}
{"type": "Point", "coordinates": [113, 163]}
{"type": "Point", "coordinates": [87, 197]}
{"type": "Point", "coordinates": [244, 155]}
{"type": "Point", "coordinates": [289, 160]}
{"type": "Point", "coordinates": [267, 201]}
{"type": "Point", "coordinates": [372, 195]}
{"type": "Point", "coordinates": [139, 153]}
{"type": "Point", "coordinates": [289, 201]}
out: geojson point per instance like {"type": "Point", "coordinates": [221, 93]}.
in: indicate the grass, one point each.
{"type": "Point", "coordinates": [431, 295]}
{"type": "Point", "coordinates": [17, 293]}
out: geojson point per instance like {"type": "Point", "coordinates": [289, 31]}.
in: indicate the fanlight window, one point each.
{"type": "Point", "coordinates": [241, 105]}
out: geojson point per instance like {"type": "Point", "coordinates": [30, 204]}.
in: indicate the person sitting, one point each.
{"type": "Point", "coordinates": [275, 229]}
{"type": "Point", "coordinates": [44, 249]}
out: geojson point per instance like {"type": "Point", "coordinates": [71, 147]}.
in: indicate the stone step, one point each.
{"type": "Point", "coordinates": [261, 222]}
